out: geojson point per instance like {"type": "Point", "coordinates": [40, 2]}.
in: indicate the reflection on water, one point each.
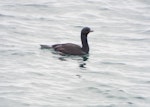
{"type": "Point", "coordinates": [83, 63]}
{"type": "Point", "coordinates": [63, 57]}
{"type": "Point", "coordinates": [85, 57]}
{"type": "Point", "coordinates": [81, 59]}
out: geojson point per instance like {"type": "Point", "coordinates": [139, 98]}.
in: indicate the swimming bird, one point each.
{"type": "Point", "coordinates": [70, 48]}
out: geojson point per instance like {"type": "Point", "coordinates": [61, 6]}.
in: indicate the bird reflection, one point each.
{"type": "Point", "coordinates": [83, 63]}
{"type": "Point", "coordinates": [81, 59]}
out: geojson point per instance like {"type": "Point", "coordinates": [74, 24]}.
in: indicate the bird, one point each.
{"type": "Point", "coordinates": [70, 48]}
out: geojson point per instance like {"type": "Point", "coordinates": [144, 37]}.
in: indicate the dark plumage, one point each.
{"type": "Point", "coordinates": [73, 49]}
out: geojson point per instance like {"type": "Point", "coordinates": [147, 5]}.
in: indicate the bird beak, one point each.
{"type": "Point", "coordinates": [91, 30]}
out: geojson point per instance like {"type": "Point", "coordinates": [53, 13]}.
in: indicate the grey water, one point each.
{"type": "Point", "coordinates": [116, 73]}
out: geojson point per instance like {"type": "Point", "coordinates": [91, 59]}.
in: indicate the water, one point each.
{"type": "Point", "coordinates": [115, 74]}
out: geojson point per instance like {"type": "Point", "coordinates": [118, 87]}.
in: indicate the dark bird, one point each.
{"type": "Point", "coordinates": [70, 48]}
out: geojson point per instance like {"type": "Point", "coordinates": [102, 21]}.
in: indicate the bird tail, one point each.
{"type": "Point", "coordinates": [45, 47]}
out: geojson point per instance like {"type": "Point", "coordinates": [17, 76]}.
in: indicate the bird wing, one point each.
{"type": "Point", "coordinates": [69, 48]}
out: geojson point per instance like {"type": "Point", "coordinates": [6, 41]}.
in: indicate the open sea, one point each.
{"type": "Point", "coordinates": [116, 73]}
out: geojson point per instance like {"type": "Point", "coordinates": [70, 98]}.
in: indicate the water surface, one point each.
{"type": "Point", "coordinates": [115, 74]}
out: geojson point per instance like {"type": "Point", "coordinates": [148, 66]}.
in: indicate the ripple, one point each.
{"type": "Point", "coordinates": [23, 53]}
{"type": "Point", "coordinates": [115, 74]}
{"type": "Point", "coordinates": [9, 103]}
{"type": "Point", "coordinates": [5, 16]}
{"type": "Point", "coordinates": [140, 98]}
{"type": "Point", "coordinates": [94, 89]}
{"type": "Point", "coordinates": [35, 5]}
{"type": "Point", "coordinates": [113, 63]}
{"type": "Point", "coordinates": [139, 39]}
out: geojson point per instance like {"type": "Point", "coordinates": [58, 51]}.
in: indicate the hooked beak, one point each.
{"type": "Point", "coordinates": [91, 30]}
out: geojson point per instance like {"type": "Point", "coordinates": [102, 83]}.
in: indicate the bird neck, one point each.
{"type": "Point", "coordinates": [85, 46]}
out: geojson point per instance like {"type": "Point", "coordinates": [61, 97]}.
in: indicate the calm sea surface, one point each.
{"type": "Point", "coordinates": [115, 74]}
